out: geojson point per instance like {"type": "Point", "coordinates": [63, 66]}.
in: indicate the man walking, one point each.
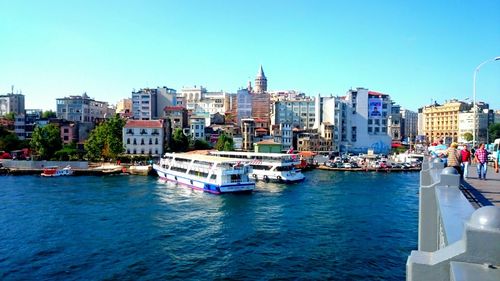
{"type": "Point", "coordinates": [481, 156]}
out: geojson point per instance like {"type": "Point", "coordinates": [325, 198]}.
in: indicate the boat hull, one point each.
{"type": "Point", "coordinates": [278, 178]}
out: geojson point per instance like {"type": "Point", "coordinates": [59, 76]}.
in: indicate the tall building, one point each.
{"type": "Point", "coordinates": [409, 124]}
{"type": "Point", "coordinates": [394, 123]}
{"type": "Point", "coordinates": [244, 104]}
{"type": "Point", "coordinates": [260, 82]}
{"type": "Point", "coordinates": [148, 104]}
{"type": "Point", "coordinates": [247, 134]}
{"type": "Point", "coordinates": [81, 109]}
{"type": "Point", "coordinates": [366, 122]}
{"type": "Point", "coordinates": [11, 103]}
{"type": "Point", "coordinates": [441, 121]}
{"type": "Point", "coordinates": [261, 104]}
{"type": "Point", "coordinates": [298, 113]}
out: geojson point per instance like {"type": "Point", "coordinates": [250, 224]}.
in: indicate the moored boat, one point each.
{"type": "Point", "coordinates": [208, 173]}
{"type": "Point", "coordinates": [55, 171]}
{"type": "Point", "coordinates": [276, 167]}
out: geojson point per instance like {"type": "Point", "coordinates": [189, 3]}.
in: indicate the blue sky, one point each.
{"type": "Point", "coordinates": [416, 51]}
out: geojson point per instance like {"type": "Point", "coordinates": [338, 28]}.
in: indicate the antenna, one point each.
{"type": "Point", "coordinates": [12, 89]}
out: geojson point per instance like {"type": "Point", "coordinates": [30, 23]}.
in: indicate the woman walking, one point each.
{"type": "Point", "coordinates": [466, 158]}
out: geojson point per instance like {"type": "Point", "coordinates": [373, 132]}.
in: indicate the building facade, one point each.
{"type": "Point", "coordinates": [441, 121]}
{"type": "Point", "coordinates": [11, 103]}
{"type": "Point", "coordinates": [144, 137]}
{"type": "Point", "coordinates": [148, 104]}
{"type": "Point", "coordinates": [409, 124]}
{"type": "Point", "coordinates": [247, 134]}
{"type": "Point", "coordinates": [299, 113]}
{"type": "Point", "coordinates": [81, 109]}
{"type": "Point", "coordinates": [197, 126]}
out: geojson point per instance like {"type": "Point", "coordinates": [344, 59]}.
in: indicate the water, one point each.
{"type": "Point", "coordinates": [335, 225]}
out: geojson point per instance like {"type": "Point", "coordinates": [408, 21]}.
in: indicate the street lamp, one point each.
{"type": "Point", "coordinates": [474, 108]}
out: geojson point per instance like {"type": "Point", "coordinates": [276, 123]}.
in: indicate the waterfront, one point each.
{"type": "Point", "coordinates": [334, 225]}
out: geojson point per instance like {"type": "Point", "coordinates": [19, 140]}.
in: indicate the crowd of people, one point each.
{"type": "Point", "coordinates": [461, 158]}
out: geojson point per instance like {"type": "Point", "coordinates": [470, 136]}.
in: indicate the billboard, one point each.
{"type": "Point", "coordinates": [374, 107]}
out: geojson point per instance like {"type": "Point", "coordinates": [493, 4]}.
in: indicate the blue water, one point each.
{"type": "Point", "coordinates": [335, 225]}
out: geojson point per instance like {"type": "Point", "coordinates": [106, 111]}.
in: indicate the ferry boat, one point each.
{"type": "Point", "coordinates": [204, 172]}
{"type": "Point", "coordinates": [276, 167]}
{"type": "Point", "coordinates": [54, 171]}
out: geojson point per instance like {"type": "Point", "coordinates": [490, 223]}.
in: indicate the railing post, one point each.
{"type": "Point", "coordinates": [428, 211]}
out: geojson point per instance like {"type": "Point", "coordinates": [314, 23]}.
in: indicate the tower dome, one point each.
{"type": "Point", "coordinates": [260, 81]}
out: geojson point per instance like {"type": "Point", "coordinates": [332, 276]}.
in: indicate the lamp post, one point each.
{"type": "Point", "coordinates": [474, 108]}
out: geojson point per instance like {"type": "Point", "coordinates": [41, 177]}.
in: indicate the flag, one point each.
{"type": "Point", "coordinates": [290, 151]}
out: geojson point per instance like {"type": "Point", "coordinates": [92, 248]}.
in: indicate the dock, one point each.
{"type": "Point", "coordinates": [382, 170]}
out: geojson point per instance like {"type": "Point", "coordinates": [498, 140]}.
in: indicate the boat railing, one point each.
{"type": "Point", "coordinates": [454, 239]}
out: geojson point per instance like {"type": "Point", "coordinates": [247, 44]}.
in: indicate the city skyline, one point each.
{"type": "Point", "coordinates": [416, 52]}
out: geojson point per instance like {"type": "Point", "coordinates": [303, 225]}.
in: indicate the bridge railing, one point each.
{"type": "Point", "coordinates": [454, 240]}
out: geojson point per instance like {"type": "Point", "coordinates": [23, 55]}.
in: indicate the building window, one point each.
{"type": "Point", "coordinates": [135, 143]}
{"type": "Point", "coordinates": [156, 141]}
{"type": "Point", "coordinates": [142, 142]}
{"type": "Point", "coordinates": [128, 141]}
{"type": "Point", "coordinates": [370, 121]}
{"type": "Point", "coordinates": [370, 130]}
{"type": "Point", "coordinates": [150, 141]}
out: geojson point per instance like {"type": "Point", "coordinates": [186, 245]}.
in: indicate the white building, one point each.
{"type": "Point", "coordinates": [144, 137]}
{"type": "Point", "coordinates": [366, 122]}
{"type": "Point", "coordinates": [148, 103]}
{"type": "Point", "coordinates": [299, 113]}
{"type": "Point", "coordinates": [197, 126]}
{"type": "Point", "coordinates": [409, 124]}
{"type": "Point", "coordinates": [283, 134]}
{"type": "Point", "coordinates": [466, 125]}
{"type": "Point", "coordinates": [244, 104]}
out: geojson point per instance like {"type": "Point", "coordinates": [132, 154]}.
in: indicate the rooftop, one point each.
{"type": "Point", "coordinates": [144, 124]}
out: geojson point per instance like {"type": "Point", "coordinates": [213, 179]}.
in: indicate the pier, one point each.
{"type": "Point", "coordinates": [458, 227]}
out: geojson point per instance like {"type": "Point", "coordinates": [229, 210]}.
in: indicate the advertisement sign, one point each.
{"type": "Point", "coordinates": [374, 107]}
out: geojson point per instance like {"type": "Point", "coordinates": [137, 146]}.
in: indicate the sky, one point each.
{"type": "Point", "coordinates": [416, 51]}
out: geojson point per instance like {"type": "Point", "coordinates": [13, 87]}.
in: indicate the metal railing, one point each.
{"type": "Point", "coordinates": [454, 240]}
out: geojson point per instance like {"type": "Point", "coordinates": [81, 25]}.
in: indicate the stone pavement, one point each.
{"type": "Point", "coordinates": [483, 192]}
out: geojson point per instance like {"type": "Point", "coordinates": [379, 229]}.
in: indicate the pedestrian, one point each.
{"type": "Point", "coordinates": [454, 157]}
{"type": "Point", "coordinates": [481, 157]}
{"type": "Point", "coordinates": [497, 161]}
{"type": "Point", "coordinates": [466, 159]}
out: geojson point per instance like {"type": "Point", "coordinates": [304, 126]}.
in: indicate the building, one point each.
{"type": "Point", "coordinates": [197, 126]}
{"type": "Point", "coordinates": [260, 82]}
{"type": "Point", "coordinates": [299, 113]}
{"type": "Point", "coordinates": [409, 124]}
{"type": "Point", "coordinates": [333, 114]}
{"type": "Point", "coordinates": [19, 126]}
{"type": "Point", "coordinates": [267, 146]}
{"type": "Point", "coordinates": [244, 104]}
{"type": "Point", "coordinates": [11, 103]}
{"type": "Point", "coordinates": [144, 137]}
{"type": "Point", "coordinates": [365, 123]}
{"type": "Point", "coordinates": [148, 104]}
{"type": "Point", "coordinates": [69, 132]}
{"type": "Point", "coordinates": [247, 134]}
{"type": "Point", "coordinates": [466, 125]}
{"type": "Point", "coordinates": [81, 109]}
{"type": "Point", "coordinates": [394, 123]}
{"type": "Point", "coordinates": [282, 133]}
{"type": "Point", "coordinates": [441, 121]}
{"type": "Point", "coordinates": [177, 115]}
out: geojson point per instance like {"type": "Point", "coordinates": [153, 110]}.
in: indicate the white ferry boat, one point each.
{"type": "Point", "coordinates": [277, 167]}
{"type": "Point", "coordinates": [203, 172]}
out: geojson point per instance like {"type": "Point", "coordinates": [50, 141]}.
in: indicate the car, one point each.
{"type": "Point", "coordinates": [354, 165]}
{"type": "Point", "coordinates": [347, 165]}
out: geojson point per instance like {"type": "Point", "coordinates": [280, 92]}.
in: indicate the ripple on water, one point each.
{"type": "Point", "coordinates": [332, 226]}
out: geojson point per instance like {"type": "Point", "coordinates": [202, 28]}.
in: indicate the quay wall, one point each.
{"type": "Point", "coordinates": [31, 165]}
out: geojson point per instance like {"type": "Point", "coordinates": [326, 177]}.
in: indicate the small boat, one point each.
{"type": "Point", "coordinates": [140, 170]}
{"type": "Point", "coordinates": [208, 173]}
{"type": "Point", "coordinates": [55, 171]}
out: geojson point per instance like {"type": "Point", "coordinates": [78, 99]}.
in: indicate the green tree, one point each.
{"type": "Point", "coordinates": [224, 143]}
{"type": "Point", "coordinates": [468, 136]}
{"type": "Point", "coordinates": [200, 144]}
{"type": "Point", "coordinates": [10, 116]}
{"type": "Point", "coordinates": [49, 114]}
{"type": "Point", "coordinates": [105, 141]}
{"type": "Point", "coordinates": [68, 152]}
{"type": "Point", "coordinates": [8, 140]}
{"type": "Point", "coordinates": [46, 140]}
{"type": "Point", "coordinates": [180, 141]}
{"type": "Point", "coordinates": [494, 131]}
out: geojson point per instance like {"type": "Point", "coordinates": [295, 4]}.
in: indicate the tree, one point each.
{"type": "Point", "coordinates": [49, 114]}
{"type": "Point", "coordinates": [494, 131]}
{"type": "Point", "coordinates": [105, 141]}
{"type": "Point", "coordinates": [468, 136]}
{"type": "Point", "coordinates": [9, 141]}
{"type": "Point", "coordinates": [46, 140]}
{"type": "Point", "coordinates": [200, 144]}
{"type": "Point", "coordinates": [224, 143]}
{"type": "Point", "coordinates": [10, 116]}
{"type": "Point", "coordinates": [180, 141]}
